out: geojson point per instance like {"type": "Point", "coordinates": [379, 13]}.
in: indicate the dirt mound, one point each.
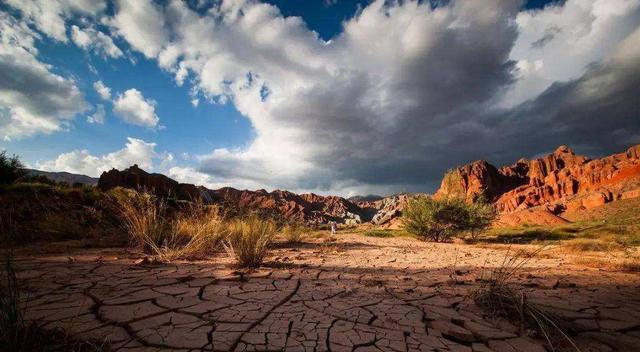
{"type": "Point", "coordinates": [534, 216]}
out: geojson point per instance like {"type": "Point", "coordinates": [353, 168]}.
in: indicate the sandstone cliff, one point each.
{"type": "Point", "coordinates": [561, 181]}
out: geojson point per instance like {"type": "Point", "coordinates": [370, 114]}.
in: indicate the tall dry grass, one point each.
{"type": "Point", "coordinates": [144, 218]}
{"type": "Point", "coordinates": [195, 231]}
{"type": "Point", "coordinates": [248, 240]}
{"type": "Point", "coordinates": [501, 298]}
{"type": "Point", "coordinates": [294, 233]}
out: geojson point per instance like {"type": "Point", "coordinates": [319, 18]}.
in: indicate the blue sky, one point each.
{"type": "Point", "coordinates": [364, 97]}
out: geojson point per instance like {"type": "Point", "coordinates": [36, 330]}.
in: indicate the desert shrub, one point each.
{"type": "Point", "coordinates": [480, 215]}
{"type": "Point", "coordinates": [11, 168]}
{"type": "Point", "coordinates": [143, 218]}
{"type": "Point", "coordinates": [294, 233]}
{"type": "Point", "coordinates": [379, 233]}
{"type": "Point", "coordinates": [440, 219]}
{"type": "Point", "coordinates": [248, 240]}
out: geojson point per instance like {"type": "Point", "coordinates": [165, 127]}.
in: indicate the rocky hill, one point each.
{"type": "Point", "coordinates": [529, 191]}
{"type": "Point", "coordinates": [309, 207]}
{"type": "Point", "coordinates": [64, 177]}
{"type": "Point", "coordinates": [560, 182]}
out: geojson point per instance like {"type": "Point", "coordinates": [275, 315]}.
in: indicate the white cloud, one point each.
{"type": "Point", "coordinates": [102, 90]}
{"type": "Point", "coordinates": [33, 99]}
{"type": "Point", "coordinates": [49, 16]}
{"type": "Point", "coordinates": [560, 42]}
{"type": "Point", "coordinates": [133, 108]}
{"type": "Point", "coordinates": [98, 116]}
{"type": "Point", "coordinates": [195, 102]}
{"type": "Point", "coordinates": [136, 151]}
{"type": "Point", "coordinates": [141, 23]}
{"type": "Point", "coordinates": [92, 39]}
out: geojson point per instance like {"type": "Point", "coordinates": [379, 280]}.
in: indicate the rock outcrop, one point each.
{"type": "Point", "coordinates": [560, 181]}
{"type": "Point", "coordinates": [309, 208]}
{"type": "Point", "coordinates": [136, 178]}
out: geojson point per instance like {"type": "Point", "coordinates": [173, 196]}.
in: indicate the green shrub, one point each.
{"type": "Point", "coordinates": [11, 168]}
{"type": "Point", "coordinates": [479, 218]}
{"type": "Point", "coordinates": [440, 219]}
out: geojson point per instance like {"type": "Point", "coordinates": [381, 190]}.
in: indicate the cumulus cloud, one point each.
{"type": "Point", "coordinates": [136, 151]}
{"type": "Point", "coordinates": [141, 23]}
{"type": "Point", "coordinates": [33, 99]}
{"type": "Point", "coordinates": [102, 90]}
{"type": "Point", "coordinates": [132, 107]}
{"type": "Point", "coordinates": [49, 16]}
{"type": "Point", "coordinates": [560, 42]}
{"type": "Point", "coordinates": [406, 91]}
{"type": "Point", "coordinates": [92, 39]}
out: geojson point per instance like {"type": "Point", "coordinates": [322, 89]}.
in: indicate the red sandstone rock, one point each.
{"type": "Point", "coordinates": [561, 180]}
{"type": "Point", "coordinates": [310, 208]}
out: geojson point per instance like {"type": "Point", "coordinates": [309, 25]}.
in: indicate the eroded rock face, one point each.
{"type": "Point", "coordinates": [561, 180]}
{"type": "Point", "coordinates": [136, 178]}
{"type": "Point", "coordinates": [309, 208]}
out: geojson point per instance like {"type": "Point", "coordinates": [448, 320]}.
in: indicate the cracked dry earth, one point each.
{"type": "Point", "coordinates": [354, 294]}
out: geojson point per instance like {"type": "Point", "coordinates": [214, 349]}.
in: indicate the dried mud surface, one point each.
{"type": "Point", "coordinates": [350, 293]}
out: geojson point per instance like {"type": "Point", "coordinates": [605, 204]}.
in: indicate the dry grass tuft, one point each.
{"type": "Point", "coordinates": [195, 231]}
{"type": "Point", "coordinates": [500, 298]}
{"type": "Point", "coordinates": [589, 245]}
{"type": "Point", "coordinates": [249, 239]}
{"type": "Point", "coordinates": [143, 218]}
{"type": "Point", "coordinates": [294, 233]}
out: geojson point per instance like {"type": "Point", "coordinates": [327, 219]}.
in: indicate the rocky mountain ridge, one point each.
{"type": "Point", "coordinates": [531, 190]}
{"type": "Point", "coordinates": [561, 181]}
{"type": "Point", "coordinates": [308, 207]}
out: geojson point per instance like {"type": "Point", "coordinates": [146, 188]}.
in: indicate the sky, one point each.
{"type": "Point", "coordinates": [338, 97]}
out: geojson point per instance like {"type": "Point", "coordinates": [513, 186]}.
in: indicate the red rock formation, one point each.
{"type": "Point", "coordinates": [562, 180]}
{"type": "Point", "coordinates": [136, 178]}
{"type": "Point", "coordinates": [310, 208]}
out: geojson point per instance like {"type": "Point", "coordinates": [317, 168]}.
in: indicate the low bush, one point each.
{"type": "Point", "coordinates": [11, 168]}
{"type": "Point", "coordinates": [248, 240]}
{"type": "Point", "coordinates": [441, 219]}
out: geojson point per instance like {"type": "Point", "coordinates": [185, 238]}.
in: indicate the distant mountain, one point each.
{"type": "Point", "coordinates": [367, 198]}
{"type": "Point", "coordinates": [65, 177]}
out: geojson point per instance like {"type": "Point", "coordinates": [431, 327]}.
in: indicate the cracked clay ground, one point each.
{"type": "Point", "coordinates": [354, 294]}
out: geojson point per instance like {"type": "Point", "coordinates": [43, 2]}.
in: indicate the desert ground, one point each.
{"type": "Point", "coordinates": [347, 292]}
